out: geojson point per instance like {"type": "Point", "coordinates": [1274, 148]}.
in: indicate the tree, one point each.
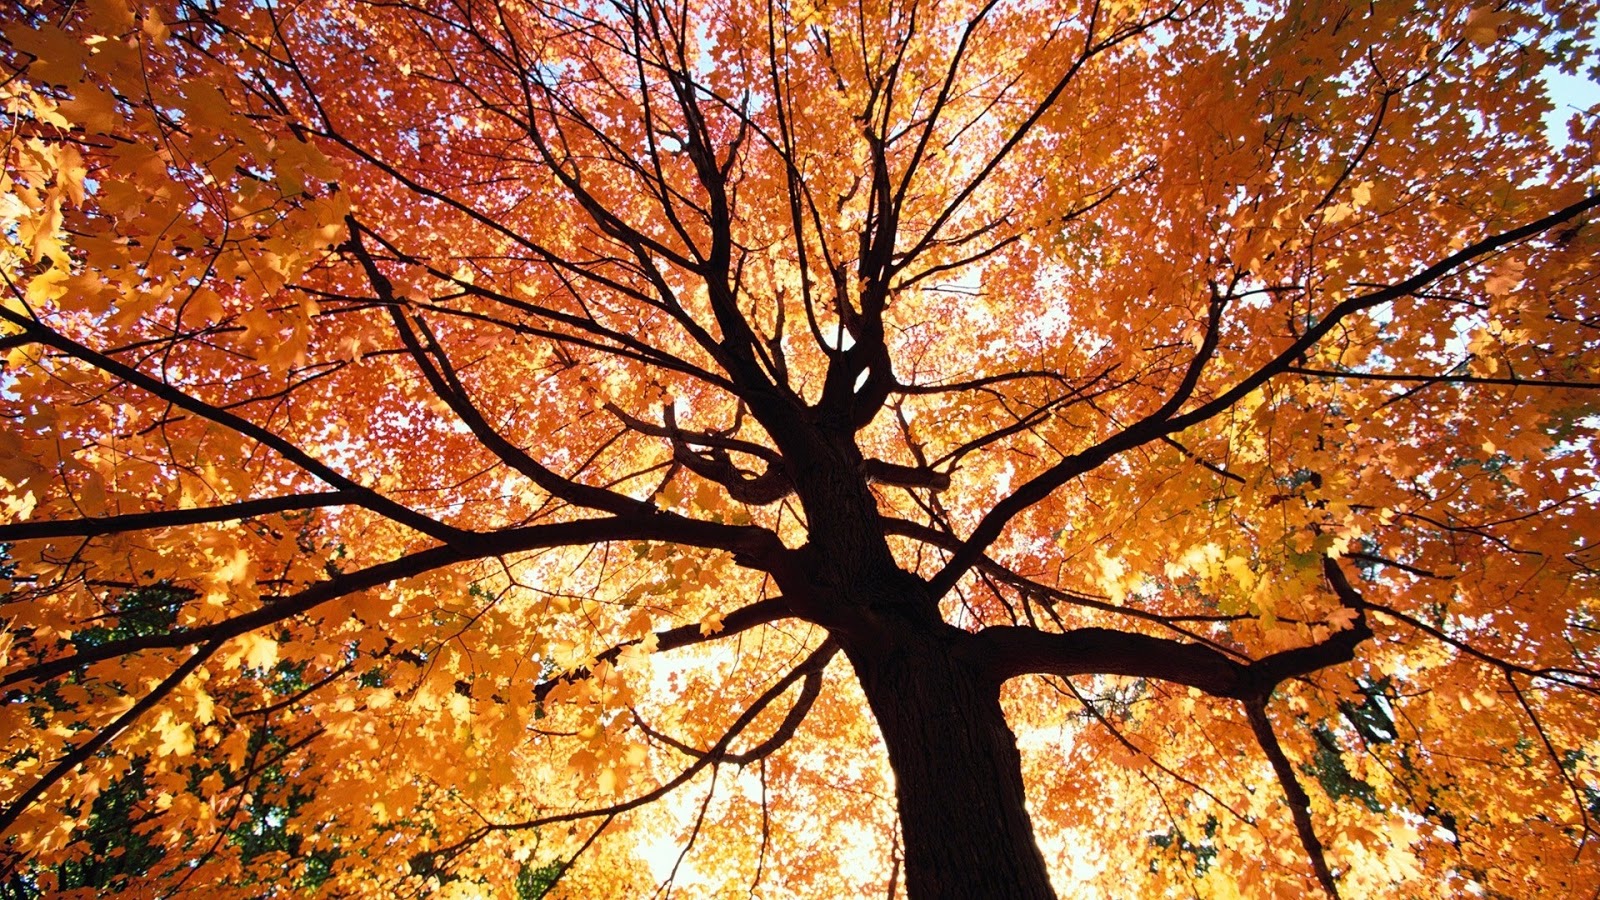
{"type": "Point", "coordinates": [474, 446]}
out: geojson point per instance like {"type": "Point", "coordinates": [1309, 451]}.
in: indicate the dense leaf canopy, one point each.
{"type": "Point", "coordinates": [503, 447]}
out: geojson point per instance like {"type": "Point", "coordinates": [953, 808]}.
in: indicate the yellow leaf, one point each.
{"type": "Point", "coordinates": [70, 172]}
{"type": "Point", "coordinates": [711, 623]}
{"type": "Point", "coordinates": [256, 651]}
{"type": "Point", "coordinates": [177, 738]}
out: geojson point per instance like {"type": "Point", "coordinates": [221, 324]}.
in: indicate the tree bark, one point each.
{"type": "Point", "coordinates": [964, 822]}
{"type": "Point", "coordinates": [964, 819]}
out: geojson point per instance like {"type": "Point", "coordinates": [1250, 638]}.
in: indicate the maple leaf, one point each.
{"type": "Point", "coordinates": [711, 623]}
{"type": "Point", "coordinates": [492, 448]}
{"type": "Point", "coordinates": [177, 738]}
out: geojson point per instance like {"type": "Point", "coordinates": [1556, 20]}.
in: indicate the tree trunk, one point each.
{"type": "Point", "coordinates": [958, 777]}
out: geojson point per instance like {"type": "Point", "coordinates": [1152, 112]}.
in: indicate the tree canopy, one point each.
{"type": "Point", "coordinates": [798, 448]}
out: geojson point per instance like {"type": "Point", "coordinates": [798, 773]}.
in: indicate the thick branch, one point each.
{"type": "Point", "coordinates": [906, 476]}
{"type": "Point", "coordinates": [749, 544]}
{"type": "Point", "coordinates": [1012, 650]}
{"type": "Point", "coordinates": [169, 518]}
{"type": "Point", "coordinates": [1009, 650]}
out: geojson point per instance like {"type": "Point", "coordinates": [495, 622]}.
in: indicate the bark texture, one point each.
{"type": "Point", "coordinates": [964, 818]}
{"type": "Point", "coordinates": [958, 776]}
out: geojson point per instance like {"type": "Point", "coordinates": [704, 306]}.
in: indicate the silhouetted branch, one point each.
{"type": "Point", "coordinates": [169, 518]}
{"type": "Point", "coordinates": [1409, 378]}
{"type": "Point", "coordinates": [809, 691]}
{"type": "Point", "coordinates": [90, 747]}
{"type": "Point", "coordinates": [815, 662]}
{"type": "Point", "coordinates": [761, 612]}
{"type": "Point", "coordinates": [747, 543]}
{"type": "Point", "coordinates": [1299, 802]}
{"type": "Point", "coordinates": [1008, 651]}
{"type": "Point", "coordinates": [358, 493]}
{"type": "Point", "coordinates": [1168, 420]}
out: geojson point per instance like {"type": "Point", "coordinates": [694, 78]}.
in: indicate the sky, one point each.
{"type": "Point", "coordinates": [1570, 94]}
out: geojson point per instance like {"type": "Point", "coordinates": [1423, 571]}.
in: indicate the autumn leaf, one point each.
{"type": "Point", "coordinates": [177, 738]}
{"type": "Point", "coordinates": [587, 450]}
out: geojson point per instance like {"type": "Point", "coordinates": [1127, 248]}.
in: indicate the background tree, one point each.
{"type": "Point", "coordinates": [590, 447]}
